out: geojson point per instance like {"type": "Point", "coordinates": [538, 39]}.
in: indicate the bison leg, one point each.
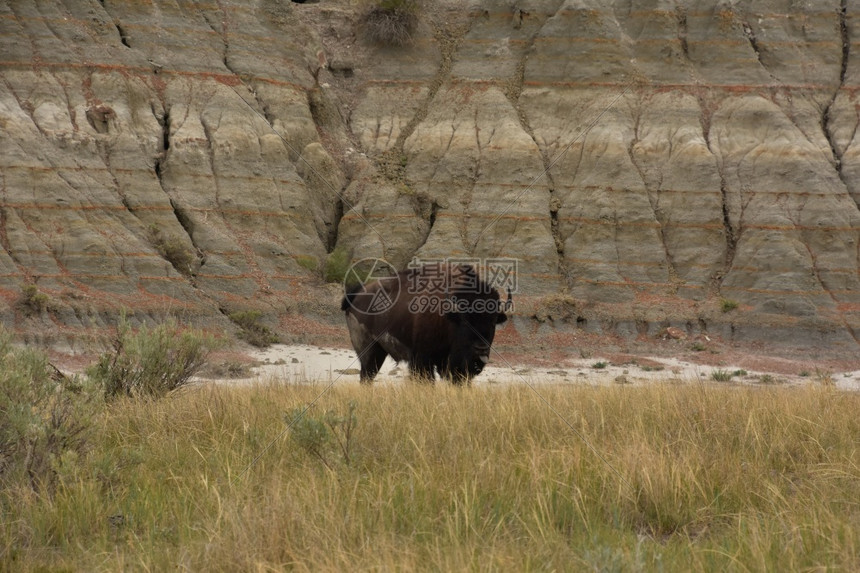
{"type": "Point", "coordinates": [371, 361]}
{"type": "Point", "coordinates": [421, 370]}
{"type": "Point", "coordinates": [457, 376]}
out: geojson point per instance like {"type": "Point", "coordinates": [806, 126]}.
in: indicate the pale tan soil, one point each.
{"type": "Point", "coordinates": [571, 357]}
{"type": "Point", "coordinates": [319, 351]}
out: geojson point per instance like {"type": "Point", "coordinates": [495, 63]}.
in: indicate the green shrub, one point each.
{"type": "Point", "coordinates": [721, 375]}
{"type": "Point", "coordinates": [33, 301]}
{"type": "Point", "coordinates": [173, 250]}
{"type": "Point", "coordinates": [728, 305]}
{"type": "Point", "coordinates": [600, 365]}
{"type": "Point", "coordinates": [323, 436]}
{"type": "Point", "coordinates": [391, 22]}
{"type": "Point", "coordinates": [337, 265]}
{"type": "Point", "coordinates": [44, 416]}
{"type": "Point", "coordinates": [151, 362]}
{"type": "Point", "coordinates": [308, 262]}
{"type": "Point", "coordinates": [251, 330]}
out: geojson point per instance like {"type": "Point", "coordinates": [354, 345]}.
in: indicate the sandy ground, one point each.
{"type": "Point", "coordinates": [319, 365]}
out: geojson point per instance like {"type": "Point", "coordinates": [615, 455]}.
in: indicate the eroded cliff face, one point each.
{"type": "Point", "coordinates": [646, 160]}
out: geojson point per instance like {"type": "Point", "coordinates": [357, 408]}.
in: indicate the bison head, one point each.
{"type": "Point", "coordinates": [474, 316]}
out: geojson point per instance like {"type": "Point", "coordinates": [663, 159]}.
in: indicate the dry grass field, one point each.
{"type": "Point", "coordinates": [275, 476]}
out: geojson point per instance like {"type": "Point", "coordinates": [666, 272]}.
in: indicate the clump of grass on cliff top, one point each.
{"type": "Point", "coordinates": [391, 22]}
{"type": "Point", "coordinates": [675, 478]}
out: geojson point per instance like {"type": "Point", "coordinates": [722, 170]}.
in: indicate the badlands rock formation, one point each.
{"type": "Point", "coordinates": [648, 162]}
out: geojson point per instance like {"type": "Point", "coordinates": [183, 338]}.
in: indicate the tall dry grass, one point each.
{"type": "Point", "coordinates": [665, 477]}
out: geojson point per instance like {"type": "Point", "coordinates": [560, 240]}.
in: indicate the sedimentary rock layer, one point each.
{"type": "Point", "coordinates": [656, 162]}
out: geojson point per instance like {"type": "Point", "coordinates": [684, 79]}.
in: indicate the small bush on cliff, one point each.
{"type": "Point", "coordinates": [173, 250]}
{"type": "Point", "coordinates": [32, 301]}
{"type": "Point", "coordinates": [391, 22]}
{"type": "Point", "coordinates": [308, 262]}
{"type": "Point", "coordinates": [151, 362]}
{"type": "Point", "coordinates": [252, 330]}
{"type": "Point", "coordinates": [337, 265]}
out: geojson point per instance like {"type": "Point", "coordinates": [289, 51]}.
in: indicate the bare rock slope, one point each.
{"type": "Point", "coordinates": [648, 163]}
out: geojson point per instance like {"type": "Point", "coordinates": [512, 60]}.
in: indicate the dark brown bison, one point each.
{"type": "Point", "coordinates": [437, 318]}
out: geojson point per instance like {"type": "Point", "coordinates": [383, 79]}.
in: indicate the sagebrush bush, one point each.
{"type": "Point", "coordinates": [43, 416]}
{"type": "Point", "coordinates": [318, 435]}
{"type": "Point", "coordinates": [173, 250]}
{"type": "Point", "coordinates": [337, 265]}
{"type": "Point", "coordinates": [391, 22]}
{"type": "Point", "coordinates": [252, 330]}
{"type": "Point", "coordinates": [151, 362]}
{"type": "Point", "coordinates": [720, 375]}
{"type": "Point", "coordinates": [33, 301]}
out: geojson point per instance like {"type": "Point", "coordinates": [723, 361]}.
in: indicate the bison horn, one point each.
{"type": "Point", "coordinates": [510, 302]}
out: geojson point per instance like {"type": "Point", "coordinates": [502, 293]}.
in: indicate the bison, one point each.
{"type": "Point", "coordinates": [437, 318]}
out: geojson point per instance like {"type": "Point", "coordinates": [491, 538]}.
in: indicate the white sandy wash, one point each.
{"type": "Point", "coordinates": [302, 364]}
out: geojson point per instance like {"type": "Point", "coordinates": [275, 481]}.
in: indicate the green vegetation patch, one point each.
{"type": "Point", "coordinates": [337, 265]}
{"type": "Point", "coordinates": [44, 422]}
{"type": "Point", "coordinates": [251, 330]}
{"type": "Point", "coordinates": [33, 301]}
{"type": "Point", "coordinates": [663, 477]}
{"type": "Point", "coordinates": [150, 362]}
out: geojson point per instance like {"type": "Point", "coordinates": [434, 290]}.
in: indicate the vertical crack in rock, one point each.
{"type": "Point", "coordinates": [825, 116]}
{"type": "Point", "coordinates": [161, 157]}
{"type": "Point", "coordinates": [427, 210]}
{"type": "Point", "coordinates": [392, 163]}
{"type": "Point", "coordinates": [654, 201]}
{"type": "Point", "coordinates": [431, 220]}
{"type": "Point", "coordinates": [683, 31]}
{"type": "Point", "coordinates": [105, 153]}
{"type": "Point", "coordinates": [4, 221]}
{"type": "Point", "coordinates": [331, 241]}
{"type": "Point", "coordinates": [729, 230]}
{"type": "Point", "coordinates": [254, 270]}
{"type": "Point", "coordinates": [123, 35]}
{"type": "Point", "coordinates": [749, 34]}
{"type": "Point", "coordinates": [188, 226]}
{"type": "Point", "coordinates": [759, 52]}
{"type": "Point", "coordinates": [210, 148]}
{"type": "Point", "coordinates": [164, 121]}
{"type": "Point", "coordinates": [816, 272]}
{"type": "Point", "coordinates": [222, 33]}
{"type": "Point", "coordinates": [826, 126]}
{"type": "Point", "coordinates": [449, 41]}
{"type": "Point", "coordinates": [469, 192]}
{"type": "Point", "coordinates": [513, 90]}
